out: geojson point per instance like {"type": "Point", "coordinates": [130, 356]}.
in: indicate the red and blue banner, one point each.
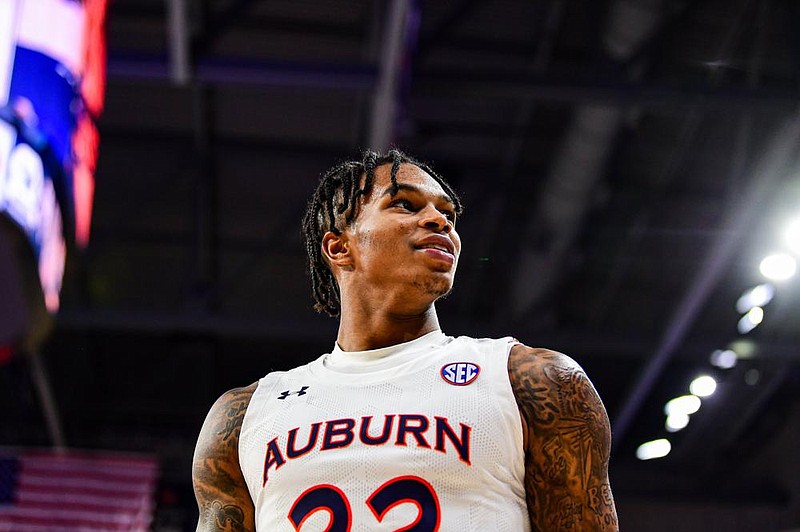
{"type": "Point", "coordinates": [52, 82]}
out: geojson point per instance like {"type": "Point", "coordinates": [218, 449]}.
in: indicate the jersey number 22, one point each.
{"type": "Point", "coordinates": [329, 498]}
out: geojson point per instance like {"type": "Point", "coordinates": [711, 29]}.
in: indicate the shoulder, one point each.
{"type": "Point", "coordinates": [220, 489]}
{"type": "Point", "coordinates": [528, 361]}
{"type": "Point", "coordinates": [524, 360]}
{"type": "Point", "coordinates": [525, 363]}
{"type": "Point", "coordinates": [224, 420]}
{"type": "Point", "coordinates": [552, 389]}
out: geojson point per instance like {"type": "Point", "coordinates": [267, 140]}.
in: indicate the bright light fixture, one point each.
{"type": "Point", "coordinates": [724, 359]}
{"type": "Point", "coordinates": [676, 421]}
{"type": "Point", "coordinates": [778, 267]}
{"type": "Point", "coordinates": [751, 320]}
{"type": "Point", "coordinates": [685, 404]}
{"type": "Point", "coordinates": [793, 236]}
{"type": "Point", "coordinates": [758, 296]}
{"type": "Point", "coordinates": [703, 386]}
{"type": "Point", "coordinates": [653, 449]}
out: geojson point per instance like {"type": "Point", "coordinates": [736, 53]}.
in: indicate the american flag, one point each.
{"type": "Point", "coordinates": [71, 491]}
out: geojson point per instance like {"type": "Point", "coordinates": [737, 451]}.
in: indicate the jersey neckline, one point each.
{"type": "Point", "coordinates": [376, 360]}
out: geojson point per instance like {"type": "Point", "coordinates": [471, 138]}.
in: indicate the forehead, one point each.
{"type": "Point", "coordinates": [407, 174]}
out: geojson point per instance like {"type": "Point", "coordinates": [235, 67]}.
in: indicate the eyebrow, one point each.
{"type": "Point", "coordinates": [416, 189]}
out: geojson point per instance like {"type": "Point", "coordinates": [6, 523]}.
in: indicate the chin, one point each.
{"type": "Point", "coordinates": [445, 294]}
{"type": "Point", "coordinates": [435, 288]}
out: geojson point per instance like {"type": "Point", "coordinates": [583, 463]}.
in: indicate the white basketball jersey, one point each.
{"type": "Point", "coordinates": [422, 436]}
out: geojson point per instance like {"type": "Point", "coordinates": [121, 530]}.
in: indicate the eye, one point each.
{"type": "Point", "coordinates": [450, 215]}
{"type": "Point", "coordinates": [403, 204]}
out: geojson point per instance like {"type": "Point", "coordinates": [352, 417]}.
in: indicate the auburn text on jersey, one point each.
{"type": "Point", "coordinates": [397, 429]}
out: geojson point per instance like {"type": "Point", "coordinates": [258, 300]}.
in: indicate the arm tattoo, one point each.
{"type": "Point", "coordinates": [568, 443]}
{"type": "Point", "coordinates": [222, 496]}
{"type": "Point", "coordinates": [228, 517]}
{"type": "Point", "coordinates": [233, 421]}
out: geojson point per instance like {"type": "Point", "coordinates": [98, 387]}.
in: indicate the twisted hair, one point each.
{"type": "Point", "coordinates": [334, 206]}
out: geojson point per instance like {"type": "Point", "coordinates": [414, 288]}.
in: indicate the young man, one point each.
{"type": "Point", "coordinates": [401, 427]}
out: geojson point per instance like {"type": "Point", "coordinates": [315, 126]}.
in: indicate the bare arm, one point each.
{"type": "Point", "coordinates": [567, 443]}
{"type": "Point", "coordinates": [220, 489]}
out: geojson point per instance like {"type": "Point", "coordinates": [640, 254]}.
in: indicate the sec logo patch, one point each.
{"type": "Point", "coordinates": [460, 373]}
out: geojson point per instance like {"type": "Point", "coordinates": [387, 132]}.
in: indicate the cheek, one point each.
{"type": "Point", "coordinates": [392, 237]}
{"type": "Point", "coordinates": [376, 245]}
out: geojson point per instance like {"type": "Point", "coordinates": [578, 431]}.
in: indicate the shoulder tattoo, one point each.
{"type": "Point", "coordinates": [233, 417]}
{"type": "Point", "coordinates": [221, 492]}
{"type": "Point", "coordinates": [568, 442]}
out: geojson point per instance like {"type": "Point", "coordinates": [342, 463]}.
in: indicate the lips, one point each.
{"type": "Point", "coordinates": [437, 242]}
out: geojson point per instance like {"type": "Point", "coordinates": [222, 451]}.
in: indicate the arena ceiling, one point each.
{"type": "Point", "coordinates": [625, 167]}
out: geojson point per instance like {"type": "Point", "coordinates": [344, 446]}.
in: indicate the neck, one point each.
{"type": "Point", "coordinates": [360, 330]}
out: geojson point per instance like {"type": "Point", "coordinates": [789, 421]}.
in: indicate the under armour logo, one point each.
{"type": "Point", "coordinates": [287, 393]}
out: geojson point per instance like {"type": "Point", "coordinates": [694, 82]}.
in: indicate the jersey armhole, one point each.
{"type": "Point", "coordinates": [519, 429]}
{"type": "Point", "coordinates": [246, 432]}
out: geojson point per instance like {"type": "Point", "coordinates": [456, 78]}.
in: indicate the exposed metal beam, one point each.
{"type": "Point", "coordinates": [44, 390]}
{"type": "Point", "coordinates": [400, 36]}
{"type": "Point", "coordinates": [242, 72]}
{"type": "Point", "coordinates": [179, 38]}
{"type": "Point", "coordinates": [626, 94]}
{"type": "Point", "coordinates": [457, 84]}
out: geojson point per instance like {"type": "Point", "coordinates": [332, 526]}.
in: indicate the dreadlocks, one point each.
{"type": "Point", "coordinates": [334, 207]}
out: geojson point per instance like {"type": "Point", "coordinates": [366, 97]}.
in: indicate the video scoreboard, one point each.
{"type": "Point", "coordinates": [52, 84]}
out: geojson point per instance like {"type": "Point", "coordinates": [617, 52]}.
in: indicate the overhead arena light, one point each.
{"type": "Point", "coordinates": [778, 267]}
{"type": "Point", "coordinates": [751, 320]}
{"type": "Point", "coordinates": [685, 404]}
{"type": "Point", "coordinates": [703, 386]}
{"type": "Point", "coordinates": [758, 296]}
{"type": "Point", "coordinates": [724, 358]}
{"type": "Point", "coordinates": [676, 422]}
{"type": "Point", "coordinates": [653, 449]}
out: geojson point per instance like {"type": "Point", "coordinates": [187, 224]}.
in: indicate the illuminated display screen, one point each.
{"type": "Point", "coordinates": [28, 198]}
{"type": "Point", "coordinates": [52, 79]}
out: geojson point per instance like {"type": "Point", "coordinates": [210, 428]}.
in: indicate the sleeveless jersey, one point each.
{"type": "Point", "coordinates": [422, 436]}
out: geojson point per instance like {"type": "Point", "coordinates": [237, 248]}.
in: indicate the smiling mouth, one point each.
{"type": "Point", "coordinates": [443, 249]}
{"type": "Point", "coordinates": [440, 254]}
{"type": "Point", "coordinates": [437, 244]}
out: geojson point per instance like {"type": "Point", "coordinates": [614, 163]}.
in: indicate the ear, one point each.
{"type": "Point", "coordinates": [336, 249]}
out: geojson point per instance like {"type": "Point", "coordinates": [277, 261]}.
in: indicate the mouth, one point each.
{"type": "Point", "coordinates": [438, 246]}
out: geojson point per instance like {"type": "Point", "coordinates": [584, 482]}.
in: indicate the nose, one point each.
{"type": "Point", "coordinates": [434, 219]}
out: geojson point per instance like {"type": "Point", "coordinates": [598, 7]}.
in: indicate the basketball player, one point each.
{"type": "Point", "coordinates": [401, 427]}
